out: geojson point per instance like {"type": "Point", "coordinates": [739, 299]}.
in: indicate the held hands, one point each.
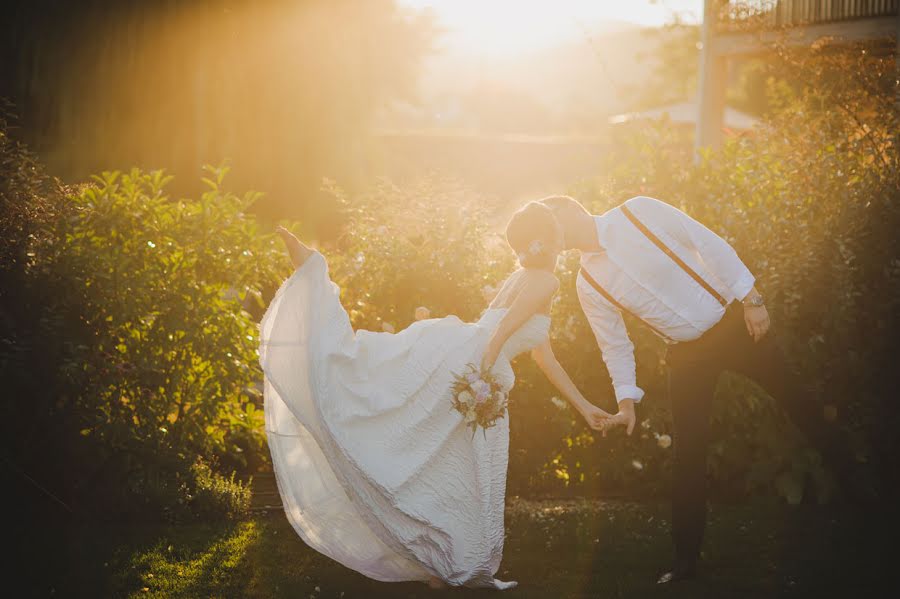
{"type": "Point", "coordinates": [620, 419]}
{"type": "Point", "coordinates": [596, 418]}
{"type": "Point", "coordinates": [603, 421]}
{"type": "Point", "coordinates": [625, 417]}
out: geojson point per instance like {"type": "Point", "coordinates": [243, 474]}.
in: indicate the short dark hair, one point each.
{"type": "Point", "coordinates": [559, 201]}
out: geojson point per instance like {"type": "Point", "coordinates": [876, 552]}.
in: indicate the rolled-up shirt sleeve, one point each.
{"type": "Point", "coordinates": [612, 337]}
{"type": "Point", "coordinates": [716, 253]}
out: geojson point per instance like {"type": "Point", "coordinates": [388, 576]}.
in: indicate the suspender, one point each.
{"type": "Point", "coordinates": [593, 283]}
{"type": "Point", "coordinates": [658, 243]}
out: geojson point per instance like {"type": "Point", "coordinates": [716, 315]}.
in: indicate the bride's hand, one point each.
{"type": "Point", "coordinates": [286, 235]}
{"type": "Point", "coordinates": [487, 362]}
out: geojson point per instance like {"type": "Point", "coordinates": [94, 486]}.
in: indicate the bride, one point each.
{"type": "Point", "coordinates": [374, 467]}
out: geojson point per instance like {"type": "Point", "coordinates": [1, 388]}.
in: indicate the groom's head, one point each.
{"type": "Point", "coordinates": [569, 213]}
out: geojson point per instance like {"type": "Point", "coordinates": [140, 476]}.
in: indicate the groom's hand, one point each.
{"type": "Point", "coordinates": [626, 415]}
{"type": "Point", "coordinates": [757, 321]}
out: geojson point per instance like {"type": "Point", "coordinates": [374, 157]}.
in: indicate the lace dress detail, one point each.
{"type": "Point", "coordinates": [374, 468]}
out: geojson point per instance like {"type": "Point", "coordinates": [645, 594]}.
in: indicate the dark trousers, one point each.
{"type": "Point", "coordinates": [694, 367]}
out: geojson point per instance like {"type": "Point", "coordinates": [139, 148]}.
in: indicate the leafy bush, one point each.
{"type": "Point", "coordinates": [162, 283]}
{"type": "Point", "coordinates": [426, 245]}
{"type": "Point", "coordinates": [157, 358]}
{"type": "Point", "coordinates": [212, 495]}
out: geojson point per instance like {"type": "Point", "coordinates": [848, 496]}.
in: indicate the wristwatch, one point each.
{"type": "Point", "coordinates": [754, 301]}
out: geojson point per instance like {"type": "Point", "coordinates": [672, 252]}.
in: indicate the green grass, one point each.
{"type": "Point", "coordinates": [553, 548]}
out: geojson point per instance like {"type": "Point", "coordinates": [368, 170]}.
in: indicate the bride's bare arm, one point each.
{"type": "Point", "coordinates": [535, 294]}
{"type": "Point", "coordinates": [296, 248]}
{"type": "Point", "coordinates": [546, 360]}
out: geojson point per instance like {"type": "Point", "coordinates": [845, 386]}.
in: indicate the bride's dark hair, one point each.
{"type": "Point", "coordinates": [531, 233]}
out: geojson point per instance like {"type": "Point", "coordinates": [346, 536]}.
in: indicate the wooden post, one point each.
{"type": "Point", "coordinates": [897, 68]}
{"type": "Point", "coordinates": [713, 80]}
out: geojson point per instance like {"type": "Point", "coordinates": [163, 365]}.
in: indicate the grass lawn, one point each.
{"type": "Point", "coordinates": [554, 549]}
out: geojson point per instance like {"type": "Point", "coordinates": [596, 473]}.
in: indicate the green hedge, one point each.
{"type": "Point", "coordinates": [134, 351]}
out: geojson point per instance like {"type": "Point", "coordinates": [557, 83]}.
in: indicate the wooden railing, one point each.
{"type": "Point", "coordinates": [770, 14]}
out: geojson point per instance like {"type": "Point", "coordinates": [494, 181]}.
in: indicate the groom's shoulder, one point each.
{"type": "Point", "coordinates": [646, 207]}
{"type": "Point", "coordinates": [643, 201]}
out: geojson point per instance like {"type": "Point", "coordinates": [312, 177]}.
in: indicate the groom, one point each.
{"type": "Point", "coordinates": [688, 285]}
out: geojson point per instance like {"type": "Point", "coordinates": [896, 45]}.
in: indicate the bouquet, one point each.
{"type": "Point", "coordinates": [479, 398]}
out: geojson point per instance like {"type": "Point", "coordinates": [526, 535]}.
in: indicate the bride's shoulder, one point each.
{"type": "Point", "coordinates": [542, 280]}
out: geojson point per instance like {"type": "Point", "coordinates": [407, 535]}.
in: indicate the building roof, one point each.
{"type": "Point", "coordinates": [686, 113]}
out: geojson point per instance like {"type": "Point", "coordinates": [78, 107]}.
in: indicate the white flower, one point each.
{"type": "Point", "coordinates": [637, 465]}
{"type": "Point", "coordinates": [535, 248]}
{"type": "Point", "coordinates": [481, 386]}
{"type": "Point", "coordinates": [562, 405]}
{"type": "Point", "coordinates": [422, 313]}
{"type": "Point", "coordinates": [467, 398]}
{"type": "Point", "coordinates": [387, 327]}
{"type": "Point", "coordinates": [664, 441]}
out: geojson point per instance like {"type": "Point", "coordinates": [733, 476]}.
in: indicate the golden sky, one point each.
{"type": "Point", "coordinates": [503, 27]}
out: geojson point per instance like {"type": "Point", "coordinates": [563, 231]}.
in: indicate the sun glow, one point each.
{"type": "Point", "coordinates": [504, 27]}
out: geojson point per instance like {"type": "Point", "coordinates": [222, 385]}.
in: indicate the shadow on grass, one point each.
{"type": "Point", "coordinates": [574, 548]}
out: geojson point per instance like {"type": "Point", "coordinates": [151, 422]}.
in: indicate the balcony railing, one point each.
{"type": "Point", "coordinates": [742, 15]}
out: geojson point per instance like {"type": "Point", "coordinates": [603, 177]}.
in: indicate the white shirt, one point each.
{"type": "Point", "coordinates": [647, 282]}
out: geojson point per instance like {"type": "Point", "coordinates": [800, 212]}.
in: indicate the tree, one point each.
{"type": "Point", "coordinates": [285, 88]}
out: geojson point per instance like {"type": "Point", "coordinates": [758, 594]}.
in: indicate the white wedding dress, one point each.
{"type": "Point", "coordinates": [374, 467]}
